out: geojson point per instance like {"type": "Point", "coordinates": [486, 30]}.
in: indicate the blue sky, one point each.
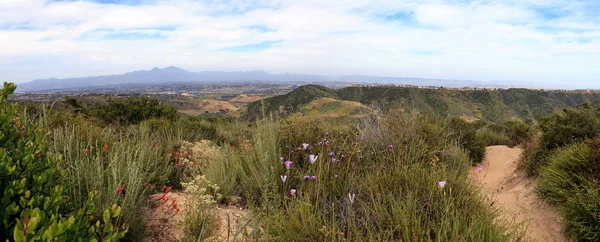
{"type": "Point", "coordinates": [553, 43]}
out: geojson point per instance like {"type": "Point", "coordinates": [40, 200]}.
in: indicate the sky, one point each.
{"type": "Point", "coordinates": [552, 42]}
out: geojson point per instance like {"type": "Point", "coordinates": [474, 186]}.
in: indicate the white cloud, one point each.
{"type": "Point", "coordinates": [479, 40]}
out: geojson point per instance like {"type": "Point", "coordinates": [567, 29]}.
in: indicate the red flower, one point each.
{"type": "Point", "coordinates": [185, 153]}
{"type": "Point", "coordinates": [170, 155]}
{"type": "Point", "coordinates": [145, 183]}
{"type": "Point", "coordinates": [105, 148]}
{"type": "Point", "coordinates": [151, 186]}
{"type": "Point", "coordinates": [119, 189]}
{"type": "Point", "coordinates": [85, 152]}
{"type": "Point", "coordinates": [180, 164]}
{"type": "Point", "coordinates": [164, 187]}
{"type": "Point", "coordinates": [177, 154]}
{"type": "Point", "coordinates": [177, 210]}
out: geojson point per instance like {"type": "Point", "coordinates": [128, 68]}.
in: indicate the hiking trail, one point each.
{"type": "Point", "coordinates": [516, 194]}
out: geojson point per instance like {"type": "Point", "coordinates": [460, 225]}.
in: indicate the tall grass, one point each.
{"type": "Point", "coordinates": [492, 137]}
{"type": "Point", "coordinates": [570, 181]}
{"type": "Point", "coordinates": [377, 180]}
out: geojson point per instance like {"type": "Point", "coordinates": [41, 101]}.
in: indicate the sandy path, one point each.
{"type": "Point", "coordinates": [516, 194]}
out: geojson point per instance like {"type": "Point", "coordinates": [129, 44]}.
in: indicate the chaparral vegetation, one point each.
{"type": "Point", "coordinates": [127, 168]}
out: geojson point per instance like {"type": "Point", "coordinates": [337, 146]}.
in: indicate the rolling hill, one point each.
{"type": "Point", "coordinates": [491, 105]}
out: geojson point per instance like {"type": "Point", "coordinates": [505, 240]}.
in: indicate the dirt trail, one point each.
{"type": "Point", "coordinates": [516, 194]}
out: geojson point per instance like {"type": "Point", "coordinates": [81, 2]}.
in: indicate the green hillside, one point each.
{"type": "Point", "coordinates": [491, 105]}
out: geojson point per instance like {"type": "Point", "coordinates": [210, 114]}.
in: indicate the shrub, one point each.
{"type": "Point", "coordinates": [570, 181]}
{"type": "Point", "coordinates": [572, 125]}
{"type": "Point", "coordinates": [517, 132]}
{"type": "Point", "coordinates": [33, 206]}
{"type": "Point", "coordinates": [133, 110]}
{"type": "Point", "coordinates": [489, 137]}
{"type": "Point", "coordinates": [375, 182]}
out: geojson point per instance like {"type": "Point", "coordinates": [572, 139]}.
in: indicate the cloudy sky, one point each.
{"type": "Point", "coordinates": [553, 42]}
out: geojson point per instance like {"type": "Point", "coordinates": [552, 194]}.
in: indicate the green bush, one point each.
{"type": "Point", "coordinates": [488, 136]}
{"type": "Point", "coordinates": [517, 131]}
{"type": "Point", "coordinates": [33, 206]}
{"type": "Point", "coordinates": [569, 180]}
{"type": "Point", "coordinates": [133, 110]}
{"type": "Point", "coordinates": [570, 126]}
{"type": "Point", "coordinates": [466, 135]}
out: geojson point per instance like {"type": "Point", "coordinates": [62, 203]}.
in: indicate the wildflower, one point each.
{"type": "Point", "coordinates": [351, 197]}
{"type": "Point", "coordinates": [180, 164]}
{"type": "Point", "coordinates": [185, 153]}
{"type": "Point", "coordinates": [323, 228]}
{"type": "Point", "coordinates": [177, 154]}
{"type": "Point", "coordinates": [360, 157]}
{"type": "Point", "coordinates": [343, 156]}
{"type": "Point", "coordinates": [145, 183]}
{"type": "Point", "coordinates": [177, 210]}
{"type": "Point", "coordinates": [105, 148]}
{"type": "Point", "coordinates": [306, 178]}
{"type": "Point", "coordinates": [85, 152]}
{"type": "Point", "coordinates": [358, 151]}
{"type": "Point", "coordinates": [341, 133]}
{"type": "Point", "coordinates": [288, 164]}
{"type": "Point", "coordinates": [442, 183]}
{"type": "Point", "coordinates": [170, 155]}
{"type": "Point", "coordinates": [299, 148]}
{"type": "Point", "coordinates": [326, 133]}
{"type": "Point", "coordinates": [391, 147]}
{"type": "Point", "coordinates": [281, 159]}
{"type": "Point", "coordinates": [293, 192]}
{"type": "Point", "coordinates": [313, 158]}
{"type": "Point", "coordinates": [331, 154]}
{"type": "Point", "coordinates": [151, 186]}
{"type": "Point", "coordinates": [120, 190]}
{"type": "Point", "coordinates": [164, 187]}
{"type": "Point", "coordinates": [479, 168]}
{"type": "Point", "coordinates": [372, 153]}
{"type": "Point", "coordinates": [314, 178]}
{"type": "Point", "coordinates": [304, 146]}
{"type": "Point", "coordinates": [283, 178]}
{"type": "Point", "coordinates": [320, 143]}
{"type": "Point", "coordinates": [291, 152]}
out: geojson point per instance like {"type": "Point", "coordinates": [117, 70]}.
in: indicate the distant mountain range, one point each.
{"type": "Point", "coordinates": [177, 75]}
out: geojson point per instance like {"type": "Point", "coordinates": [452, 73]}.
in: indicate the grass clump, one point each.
{"type": "Point", "coordinates": [389, 177]}
{"type": "Point", "coordinates": [569, 181]}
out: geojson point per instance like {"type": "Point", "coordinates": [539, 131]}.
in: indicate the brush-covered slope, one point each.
{"type": "Point", "coordinates": [286, 104]}
{"type": "Point", "coordinates": [492, 105]}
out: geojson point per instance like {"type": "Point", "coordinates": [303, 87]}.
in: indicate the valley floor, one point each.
{"type": "Point", "coordinates": [516, 194]}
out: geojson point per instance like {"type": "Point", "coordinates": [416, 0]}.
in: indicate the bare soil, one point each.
{"type": "Point", "coordinates": [515, 194]}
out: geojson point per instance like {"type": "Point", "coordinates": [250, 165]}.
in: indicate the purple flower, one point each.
{"type": "Point", "coordinates": [293, 192]}
{"type": "Point", "coordinates": [323, 228]}
{"type": "Point", "coordinates": [320, 143]}
{"type": "Point", "coordinates": [299, 148]}
{"type": "Point", "coordinates": [331, 154]}
{"type": "Point", "coordinates": [283, 178]}
{"type": "Point", "coordinates": [288, 164]}
{"type": "Point", "coordinates": [281, 158]}
{"type": "Point", "coordinates": [306, 178]}
{"type": "Point", "coordinates": [479, 168]}
{"type": "Point", "coordinates": [326, 142]}
{"type": "Point", "coordinates": [341, 133]}
{"type": "Point", "coordinates": [291, 152]}
{"type": "Point", "coordinates": [358, 151]}
{"type": "Point", "coordinates": [391, 147]}
{"type": "Point", "coordinates": [343, 156]}
{"type": "Point", "coordinates": [313, 158]}
{"type": "Point", "coordinates": [304, 146]}
{"type": "Point", "coordinates": [360, 157]}
{"type": "Point", "coordinates": [314, 178]}
{"type": "Point", "coordinates": [326, 133]}
{"type": "Point", "coordinates": [442, 183]}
